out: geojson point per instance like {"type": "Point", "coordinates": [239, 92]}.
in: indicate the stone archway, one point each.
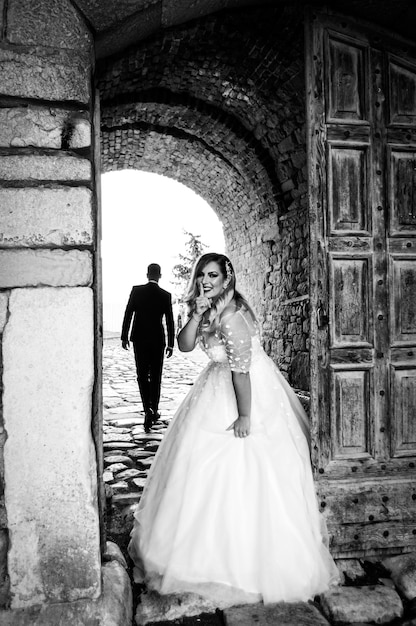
{"type": "Point", "coordinates": [220, 102]}
{"type": "Point", "coordinates": [219, 106]}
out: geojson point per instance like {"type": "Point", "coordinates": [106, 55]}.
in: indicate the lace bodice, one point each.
{"type": "Point", "coordinates": [232, 342]}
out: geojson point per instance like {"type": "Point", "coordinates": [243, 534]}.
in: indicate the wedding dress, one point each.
{"type": "Point", "coordinates": [234, 520]}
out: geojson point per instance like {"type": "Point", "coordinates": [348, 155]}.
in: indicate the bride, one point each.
{"type": "Point", "coordinates": [229, 509]}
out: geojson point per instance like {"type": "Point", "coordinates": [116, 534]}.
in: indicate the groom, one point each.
{"type": "Point", "coordinates": [149, 303]}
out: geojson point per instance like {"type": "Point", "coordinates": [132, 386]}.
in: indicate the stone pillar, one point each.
{"type": "Point", "coordinates": [49, 516]}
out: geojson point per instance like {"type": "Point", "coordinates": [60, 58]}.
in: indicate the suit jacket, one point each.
{"type": "Point", "coordinates": [149, 303]}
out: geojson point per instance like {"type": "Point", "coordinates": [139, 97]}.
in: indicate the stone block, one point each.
{"type": "Point", "coordinates": [403, 573]}
{"type": "Point", "coordinates": [113, 553]}
{"type": "Point", "coordinates": [43, 127]}
{"type": "Point", "coordinates": [282, 613]}
{"type": "Point", "coordinates": [60, 216]}
{"type": "Point", "coordinates": [351, 569]}
{"type": "Point", "coordinates": [4, 543]}
{"type": "Point", "coordinates": [4, 594]}
{"type": "Point", "coordinates": [49, 455]}
{"type": "Point", "coordinates": [48, 168]}
{"type": "Point", "coordinates": [374, 604]}
{"type": "Point", "coordinates": [55, 75]}
{"type": "Point", "coordinates": [4, 302]}
{"type": "Point", "coordinates": [77, 132]}
{"type": "Point", "coordinates": [112, 608]}
{"type": "Point", "coordinates": [156, 608]}
{"type": "Point", "coordinates": [54, 268]}
{"type": "Point", "coordinates": [116, 602]}
{"type": "Point", "coordinates": [53, 21]}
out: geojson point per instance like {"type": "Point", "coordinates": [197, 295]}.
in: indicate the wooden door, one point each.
{"type": "Point", "coordinates": [361, 92]}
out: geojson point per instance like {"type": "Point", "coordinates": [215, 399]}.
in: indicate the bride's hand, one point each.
{"type": "Point", "coordinates": [241, 426]}
{"type": "Point", "coordinates": [202, 303]}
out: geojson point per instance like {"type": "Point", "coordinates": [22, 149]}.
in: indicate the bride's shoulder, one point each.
{"type": "Point", "coordinates": [233, 314]}
{"type": "Point", "coordinates": [229, 310]}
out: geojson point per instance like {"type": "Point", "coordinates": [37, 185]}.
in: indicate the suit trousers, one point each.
{"type": "Point", "coordinates": [149, 365]}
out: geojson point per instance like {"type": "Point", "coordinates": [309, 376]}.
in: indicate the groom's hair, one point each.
{"type": "Point", "coordinates": [153, 271]}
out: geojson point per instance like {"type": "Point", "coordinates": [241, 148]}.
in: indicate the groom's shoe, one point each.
{"type": "Point", "coordinates": [148, 421]}
{"type": "Point", "coordinates": [156, 416]}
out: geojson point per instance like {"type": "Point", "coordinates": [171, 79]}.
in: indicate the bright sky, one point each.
{"type": "Point", "coordinates": [144, 216]}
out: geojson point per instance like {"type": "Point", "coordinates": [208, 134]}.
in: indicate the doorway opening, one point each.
{"type": "Point", "coordinates": [147, 218]}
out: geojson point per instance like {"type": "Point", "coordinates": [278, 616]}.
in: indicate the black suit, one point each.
{"type": "Point", "coordinates": [149, 303]}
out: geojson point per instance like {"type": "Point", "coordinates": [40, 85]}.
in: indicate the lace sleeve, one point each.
{"type": "Point", "coordinates": [235, 332]}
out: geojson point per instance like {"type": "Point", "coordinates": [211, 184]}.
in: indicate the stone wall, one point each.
{"type": "Point", "coordinates": [218, 105]}
{"type": "Point", "coordinates": [49, 517]}
{"type": "Point", "coordinates": [289, 322]}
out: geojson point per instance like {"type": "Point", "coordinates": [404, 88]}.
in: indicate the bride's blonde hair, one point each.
{"type": "Point", "coordinates": [212, 320]}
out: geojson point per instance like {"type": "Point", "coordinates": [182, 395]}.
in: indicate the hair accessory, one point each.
{"type": "Point", "coordinates": [229, 270]}
{"type": "Point", "coordinates": [229, 273]}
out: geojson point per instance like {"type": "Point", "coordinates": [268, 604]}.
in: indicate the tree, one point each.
{"type": "Point", "coordinates": [182, 271]}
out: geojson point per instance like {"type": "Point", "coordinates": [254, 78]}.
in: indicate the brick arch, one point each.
{"type": "Point", "coordinates": [219, 133]}
{"type": "Point", "coordinates": [219, 105]}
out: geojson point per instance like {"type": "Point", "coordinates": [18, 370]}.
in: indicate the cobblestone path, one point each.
{"type": "Point", "coordinates": [128, 450]}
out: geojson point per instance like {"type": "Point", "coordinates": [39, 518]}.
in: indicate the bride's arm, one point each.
{"type": "Point", "coordinates": [242, 390]}
{"type": "Point", "coordinates": [188, 334]}
{"type": "Point", "coordinates": [236, 335]}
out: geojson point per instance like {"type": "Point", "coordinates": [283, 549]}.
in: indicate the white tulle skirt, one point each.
{"type": "Point", "coordinates": [234, 520]}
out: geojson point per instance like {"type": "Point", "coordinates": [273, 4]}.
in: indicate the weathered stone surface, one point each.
{"type": "Point", "coordinates": [126, 421]}
{"type": "Point", "coordinates": [299, 371]}
{"type": "Point", "coordinates": [350, 568]}
{"type": "Point", "coordinates": [108, 476]}
{"type": "Point", "coordinates": [140, 454]}
{"type": "Point", "coordinates": [43, 127]}
{"type": "Point", "coordinates": [118, 458]}
{"type": "Point", "coordinates": [139, 482]}
{"type": "Point", "coordinates": [34, 167]}
{"type": "Point", "coordinates": [58, 75]}
{"type": "Point", "coordinates": [4, 543]}
{"type": "Point", "coordinates": [55, 268]}
{"type": "Point", "coordinates": [39, 217]}
{"type": "Point", "coordinates": [112, 608]}
{"type": "Point", "coordinates": [117, 467]}
{"type": "Point", "coordinates": [53, 21]}
{"type": "Point", "coordinates": [79, 132]}
{"type": "Point", "coordinates": [375, 604]}
{"type": "Point", "coordinates": [282, 613]}
{"type": "Point", "coordinates": [156, 608]}
{"type": "Point", "coordinates": [116, 602]}
{"type": "Point", "coordinates": [120, 486]}
{"type": "Point", "coordinates": [4, 301]}
{"type": "Point", "coordinates": [4, 594]}
{"type": "Point", "coordinates": [113, 553]}
{"type": "Point", "coordinates": [1, 14]}
{"type": "Point", "coordinates": [122, 445]}
{"type": "Point", "coordinates": [111, 436]}
{"type": "Point", "coordinates": [128, 473]}
{"type": "Point", "coordinates": [403, 573]}
{"type": "Point", "coordinates": [48, 353]}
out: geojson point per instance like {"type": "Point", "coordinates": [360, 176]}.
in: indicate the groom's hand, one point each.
{"type": "Point", "coordinates": [125, 345]}
{"type": "Point", "coordinates": [169, 352]}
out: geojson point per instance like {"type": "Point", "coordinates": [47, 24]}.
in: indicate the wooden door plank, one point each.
{"type": "Point", "coordinates": [361, 94]}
